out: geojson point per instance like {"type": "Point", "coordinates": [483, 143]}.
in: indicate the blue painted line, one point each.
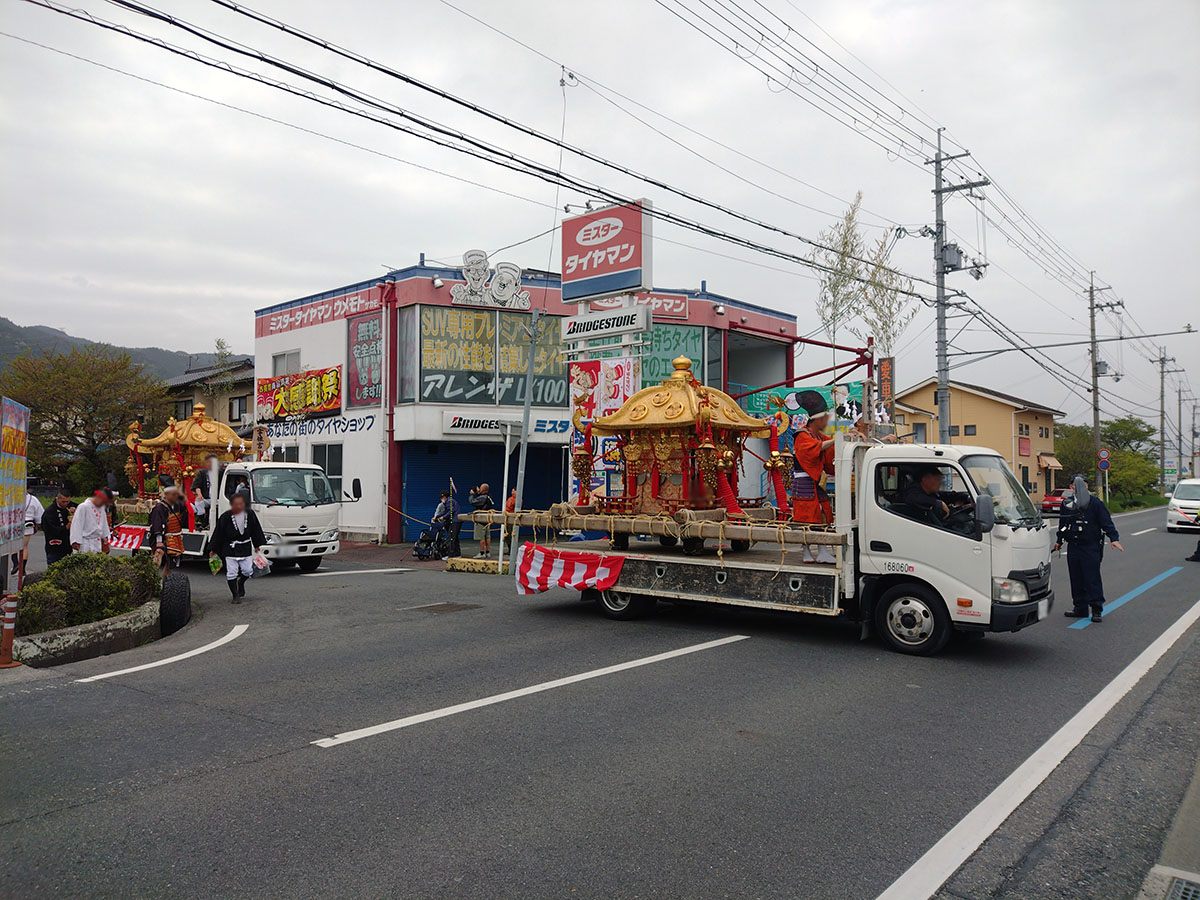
{"type": "Point", "coordinates": [1125, 598]}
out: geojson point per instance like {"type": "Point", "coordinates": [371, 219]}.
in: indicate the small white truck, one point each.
{"type": "Point", "coordinates": [295, 504]}
{"type": "Point", "coordinates": [913, 579]}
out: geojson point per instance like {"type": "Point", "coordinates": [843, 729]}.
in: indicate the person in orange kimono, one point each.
{"type": "Point", "coordinates": [813, 453]}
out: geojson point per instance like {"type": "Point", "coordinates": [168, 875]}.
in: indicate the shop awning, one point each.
{"type": "Point", "coordinates": [1048, 461]}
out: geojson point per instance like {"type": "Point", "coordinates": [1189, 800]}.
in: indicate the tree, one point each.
{"type": "Point", "coordinates": [887, 307]}
{"type": "Point", "coordinates": [82, 402]}
{"type": "Point", "coordinates": [1129, 433]}
{"type": "Point", "coordinates": [221, 382]}
{"type": "Point", "coordinates": [1132, 474]}
{"type": "Point", "coordinates": [1074, 449]}
{"type": "Point", "coordinates": [840, 296]}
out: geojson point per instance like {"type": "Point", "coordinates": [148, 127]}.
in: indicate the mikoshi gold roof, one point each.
{"type": "Point", "coordinates": [679, 402]}
{"type": "Point", "coordinates": [197, 431]}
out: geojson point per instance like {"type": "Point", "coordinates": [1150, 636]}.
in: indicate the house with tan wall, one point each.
{"type": "Point", "coordinates": [226, 390]}
{"type": "Point", "coordinates": [1020, 430]}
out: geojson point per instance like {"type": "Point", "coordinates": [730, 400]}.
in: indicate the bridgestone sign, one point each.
{"type": "Point", "coordinates": [605, 324]}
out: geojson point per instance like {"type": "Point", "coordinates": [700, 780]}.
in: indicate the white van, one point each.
{"type": "Point", "coordinates": [1183, 509]}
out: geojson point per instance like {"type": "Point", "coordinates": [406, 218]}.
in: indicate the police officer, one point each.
{"type": "Point", "coordinates": [1083, 523]}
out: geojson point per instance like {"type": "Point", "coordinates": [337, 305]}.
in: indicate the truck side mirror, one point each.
{"type": "Point", "coordinates": [985, 512]}
{"type": "Point", "coordinates": [356, 488]}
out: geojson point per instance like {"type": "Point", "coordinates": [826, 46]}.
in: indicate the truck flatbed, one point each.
{"type": "Point", "coordinates": [760, 577]}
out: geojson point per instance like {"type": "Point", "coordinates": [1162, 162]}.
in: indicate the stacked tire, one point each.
{"type": "Point", "coordinates": [175, 604]}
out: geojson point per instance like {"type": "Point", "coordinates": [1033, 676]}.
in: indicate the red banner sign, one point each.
{"type": "Point", "coordinates": [301, 395]}
{"type": "Point", "coordinates": [606, 252]}
{"type": "Point", "coordinates": [364, 360]}
{"type": "Point", "coordinates": [318, 312]}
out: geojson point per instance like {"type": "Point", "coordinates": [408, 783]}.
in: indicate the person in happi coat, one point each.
{"type": "Point", "coordinates": [89, 526]}
{"type": "Point", "coordinates": [813, 457]}
{"type": "Point", "coordinates": [33, 520]}
{"type": "Point", "coordinates": [1083, 523]}
{"type": "Point", "coordinates": [167, 519]}
{"type": "Point", "coordinates": [236, 539]}
{"type": "Point", "coordinates": [56, 526]}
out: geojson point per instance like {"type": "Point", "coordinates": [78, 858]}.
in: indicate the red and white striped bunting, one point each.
{"type": "Point", "coordinates": [127, 537]}
{"type": "Point", "coordinates": [541, 568]}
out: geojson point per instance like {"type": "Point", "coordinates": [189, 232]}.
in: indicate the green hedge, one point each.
{"type": "Point", "coordinates": [1144, 501]}
{"type": "Point", "coordinates": [86, 587]}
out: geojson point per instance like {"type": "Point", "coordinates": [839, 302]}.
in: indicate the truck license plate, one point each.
{"type": "Point", "coordinates": [1043, 609]}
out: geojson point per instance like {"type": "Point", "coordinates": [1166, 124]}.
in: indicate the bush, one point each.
{"type": "Point", "coordinates": [87, 587]}
{"type": "Point", "coordinates": [83, 477]}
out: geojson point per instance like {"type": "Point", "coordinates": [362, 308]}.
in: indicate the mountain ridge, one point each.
{"type": "Point", "coordinates": [38, 339]}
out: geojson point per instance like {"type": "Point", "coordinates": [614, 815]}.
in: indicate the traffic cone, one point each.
{"type": "Point", "coordinates": [9, 632]}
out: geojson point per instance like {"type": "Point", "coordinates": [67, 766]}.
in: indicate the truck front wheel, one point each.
{"type": "Point", "coordinates": [623, 605]}
{"type": "Point", "coordinates": [913, 619]}
{"type": "Point", "coordinates": [309, 564]}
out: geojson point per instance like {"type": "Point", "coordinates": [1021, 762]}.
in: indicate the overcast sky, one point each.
{"type": "Point", "coordinates": [138, 215]}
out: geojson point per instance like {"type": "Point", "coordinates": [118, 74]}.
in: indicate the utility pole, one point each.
{"type": "Point", "coordinates": [943, 262]}
{"type": "Point", "coordinates": [534, 315]}
{"type": "Point", "coordinates": [1179, 423]}
{"type": "Point", "coordinates": [1095, 357]}
{"type": "Point", "coordinates": [1162, 361]}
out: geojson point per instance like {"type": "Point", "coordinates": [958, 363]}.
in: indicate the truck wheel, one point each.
{"type": "Point", "coordinates": [175, 604]}
{"type": "Point", "coordinates": [667, 540]}
{"type": "Point", "coordinates": [913, 619]}
{"type": "Point", "coordinates": [620, 542]}
{"type": "Point", "coordinates": [739, 546]}
{"type": "Point", "coordinates": [693, 546]}
{"type": "Point", "coordinates": [623, 605]}
{"type": "Point", "coordinates": [310, 565]}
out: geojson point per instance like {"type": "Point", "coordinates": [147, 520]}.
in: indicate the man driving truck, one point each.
{"type": "Point", "coordinates": [924, 497]}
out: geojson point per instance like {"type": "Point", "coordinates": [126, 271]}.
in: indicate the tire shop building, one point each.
{"type": "Point", "coordinates": [410, 380]}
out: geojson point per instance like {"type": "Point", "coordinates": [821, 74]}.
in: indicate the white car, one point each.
{"type": "Point", "coordinates": [1183, 509]}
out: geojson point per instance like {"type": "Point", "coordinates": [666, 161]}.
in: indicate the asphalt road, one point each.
{"type": "Point", "coordinates": [799, 762]}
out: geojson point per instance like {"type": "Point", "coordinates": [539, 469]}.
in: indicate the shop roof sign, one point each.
{"type": "Point", "coordinates": [588, 326]}
{"type": "Point", "coordinates": [606, 252]}
{"type": "Point", "coordinates": [483, 287]}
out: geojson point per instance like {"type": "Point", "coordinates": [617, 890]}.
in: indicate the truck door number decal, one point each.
{"type": "Point", "coordinates": [906, 568]}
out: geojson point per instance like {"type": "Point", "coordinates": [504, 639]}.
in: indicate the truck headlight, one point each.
{"type": "Point", "coordinates": [273, 538]}
{"type": "Point", "coordinates": [1009, 590]}
{"type": "Point", "coordinates": [330, 535]}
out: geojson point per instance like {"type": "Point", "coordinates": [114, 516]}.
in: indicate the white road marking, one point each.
{"type": "Point", "coordinates": [421, 606]}
{"type": "Point", "coordinates": [352, 572]}
{"type": "Point", "coordinates": [237, 631]}
{"type": "Point", "coordinates": [358, 734]}
{"type": "Point", "coordinates": [1144, 531]}
{"type": "Point", "coordinates": [942, 860]}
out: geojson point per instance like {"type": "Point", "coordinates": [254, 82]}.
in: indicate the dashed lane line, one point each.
{"type": "Point", "coordinates": [352, 572]}
{"type": "Point", "coordinates": [347, 737]}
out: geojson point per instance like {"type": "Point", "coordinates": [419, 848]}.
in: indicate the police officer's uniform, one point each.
{"type": "Point", "coordinates": [1085, 530]}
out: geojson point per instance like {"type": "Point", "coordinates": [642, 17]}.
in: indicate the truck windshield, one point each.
{"type": "Point", "coordinates": [291, 487]}
{"type": "Point", "coordinates": [1013, 506]}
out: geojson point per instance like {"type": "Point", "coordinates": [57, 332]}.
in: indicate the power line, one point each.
{"type": "Point", "coordinates": [602, 89]}
{"type": "Point", "coordinates": [207, 35]}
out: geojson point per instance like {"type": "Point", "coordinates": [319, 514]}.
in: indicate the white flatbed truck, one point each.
{"type": "Point", "coordinates": [911, 579]}
{"type": "Point", "coordinates": [295, 504]}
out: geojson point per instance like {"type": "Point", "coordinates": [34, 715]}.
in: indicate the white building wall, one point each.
{"type": "Point", "coordinates": [362, 431]}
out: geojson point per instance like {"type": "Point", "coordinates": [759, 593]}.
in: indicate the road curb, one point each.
{"type": "Point", "coordinates": [87, 641]}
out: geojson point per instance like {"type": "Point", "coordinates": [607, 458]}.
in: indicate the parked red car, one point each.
{"type": "Point", "coordinates": [1053, 500]}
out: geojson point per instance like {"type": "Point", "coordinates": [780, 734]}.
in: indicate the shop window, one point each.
{"type": "Point", "coordinates": [329, 458]}
{"type": "Point", "coordinates": [1025, 479]}
{"type": "Point", "coordinates": [285, 363]}
{"type": "Point", "coordinates": [715, 344]}
{"type": "Point", "coordinates": [183, 409]}
{"type": "Point", "coordinates": [969, 430]}
{"type": "Point", "coordinates": [238, 407]}
{"type": "Point", "coordinates": [290, 454]}
{"type": "Point", "coordinates": [408, 355]}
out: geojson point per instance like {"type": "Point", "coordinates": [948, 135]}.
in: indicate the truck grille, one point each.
{"type": "Point", "coordinates": [1037, 584]}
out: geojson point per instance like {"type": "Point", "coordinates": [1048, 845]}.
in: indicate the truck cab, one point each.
{"type": "Point", "coordinates": [981, 563]}
{"type": "Point", "coordinates": [295, 504]}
